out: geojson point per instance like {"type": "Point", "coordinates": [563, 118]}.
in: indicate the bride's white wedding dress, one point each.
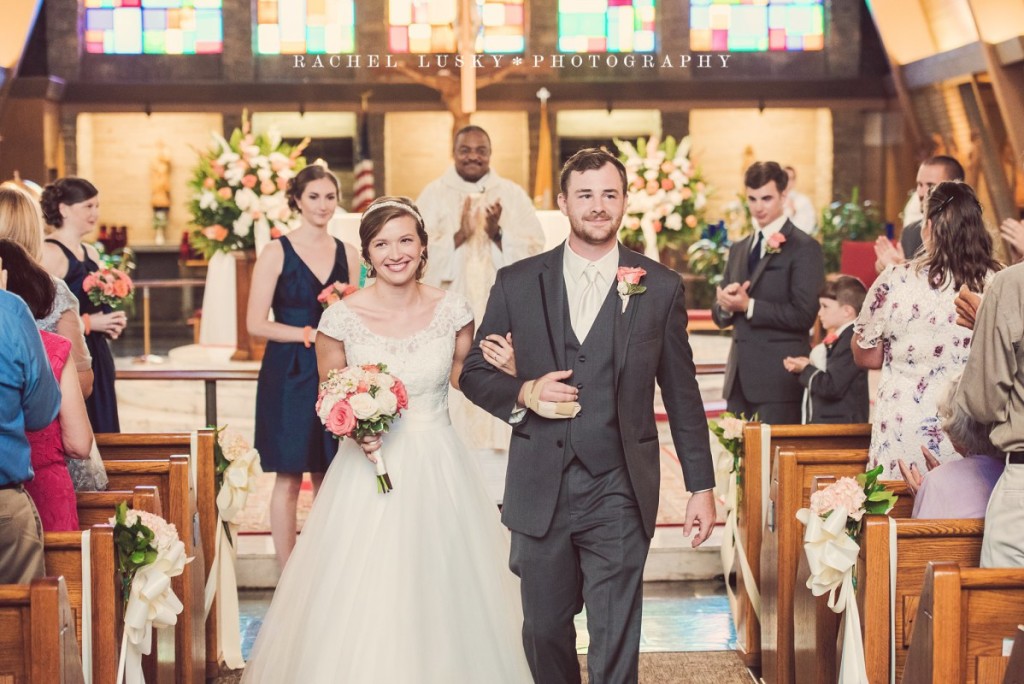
{"type": "Point", "coordinates": [409, 587]}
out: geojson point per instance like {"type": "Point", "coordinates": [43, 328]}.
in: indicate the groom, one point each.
{"type": "Point", "coordinates": [581, 494]}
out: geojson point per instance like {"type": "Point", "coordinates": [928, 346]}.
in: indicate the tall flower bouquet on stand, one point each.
{"type": "Point", "coordinates": [833, 524]}
{"type": "Point", "coordinates": [238, 199]}
{"type": "Point", "coordinates": [728, 429]}
{"type": "Point", "coordinates": [667, 196]}
{"type": "Point", "coordinates": [357, 401]}
{"type": "Point", "coordinates": [149, 554]}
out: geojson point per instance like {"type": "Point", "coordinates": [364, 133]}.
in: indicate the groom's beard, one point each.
{"type": "Point", "coordinates": [596, 235]}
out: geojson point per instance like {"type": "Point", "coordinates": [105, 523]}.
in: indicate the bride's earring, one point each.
{"type": "Point", "coordinates": [371, 272]}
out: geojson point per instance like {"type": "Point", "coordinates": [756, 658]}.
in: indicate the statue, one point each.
{"type": "Point", "coordinates": [160, 178]}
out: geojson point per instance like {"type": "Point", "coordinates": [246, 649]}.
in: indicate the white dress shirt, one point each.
{"type": "Point", "coordinates": [766, 232]}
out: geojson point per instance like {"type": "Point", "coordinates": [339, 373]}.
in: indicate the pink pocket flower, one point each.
{"type": "Point", "coordinates": [629, 283]}
{"type": "Point", "coordinates": [773, 245]}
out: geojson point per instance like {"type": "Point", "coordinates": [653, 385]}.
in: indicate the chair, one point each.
{"type": "Point", "coordinates": [858, 259]}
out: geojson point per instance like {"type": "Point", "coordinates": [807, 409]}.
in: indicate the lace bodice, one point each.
{"type": "Point", "coordinates": [423, 361]}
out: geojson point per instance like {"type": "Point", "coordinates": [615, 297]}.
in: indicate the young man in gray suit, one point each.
{"type": "Point", "coordinates": [769, 297]}
{"type": "Point", "coordinates": [581, 492]}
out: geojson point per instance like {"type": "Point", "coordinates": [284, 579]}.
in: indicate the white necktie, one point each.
{"type": "Point", "coordinates": [589, 302]}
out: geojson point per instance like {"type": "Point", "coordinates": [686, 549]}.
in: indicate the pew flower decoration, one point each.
{"type": "Point", "coordinates": [357, 401]}
{"type": "Point", "coordinates": [728, 428]}
{"type": "Point", "coordinates": [237, 469]}
{"type": "Point", "coordinates": [833, 524]}
{"type": "Point", "coordinates": [149, 554]}
{"type": "Point", "coordinates": [110, 287]}
{"type": "Point", "coordinates": [335, 292]}
{"type": "Point", "coordinates": [238, 190]}
{"type": "Point", "coordinates": [667, 196]}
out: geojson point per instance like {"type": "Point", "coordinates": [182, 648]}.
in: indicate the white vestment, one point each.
{"type": "Point", "coordinates": [470, 269]}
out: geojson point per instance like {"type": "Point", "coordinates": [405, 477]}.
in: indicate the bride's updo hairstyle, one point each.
{"type": "Point", "coordinates": [70, 190]}
{"type": "Point", "coordinates": [382, 210]}
{"type": "Point", "coordinates": [297, 185]}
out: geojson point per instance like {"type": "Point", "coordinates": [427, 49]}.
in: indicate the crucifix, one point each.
{"type": "Point", "coordinates": [458, 93]}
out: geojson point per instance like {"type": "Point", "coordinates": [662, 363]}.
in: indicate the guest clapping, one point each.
{"type": "Point", "coordinates": [907, 328]}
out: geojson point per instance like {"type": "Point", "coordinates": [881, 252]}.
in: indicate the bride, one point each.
{"type": "Point", "coordinates": [411, 586]}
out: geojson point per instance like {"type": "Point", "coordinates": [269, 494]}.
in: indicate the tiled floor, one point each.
{"type": "Point", "coordinates": [678, 616]}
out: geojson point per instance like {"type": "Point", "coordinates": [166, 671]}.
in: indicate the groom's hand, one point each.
{"type": "Point", "coordinates": [552, 390]}
{"type": "Point", "coordinates": [700, 513]}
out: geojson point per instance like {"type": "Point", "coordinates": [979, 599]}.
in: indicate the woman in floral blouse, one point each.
{"type": "Point", "coordinates": [907, 328]}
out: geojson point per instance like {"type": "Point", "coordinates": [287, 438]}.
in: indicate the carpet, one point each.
{"type": "Point", "coordinates": [715, 667]}
{"type": "Point", "coordinates": [709, 667]}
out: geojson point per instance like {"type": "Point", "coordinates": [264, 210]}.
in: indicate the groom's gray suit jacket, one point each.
{"type": "Point", "coordinates": [648, 343]}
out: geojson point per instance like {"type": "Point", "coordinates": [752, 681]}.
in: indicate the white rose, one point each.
{"type": "Point", "coordinates": [674, 222]}
{"type": "Point", "coordinates": [363, 405]}
{"type": "Point", "coordinates": [242, 224]}
{"type": "Point", "coordinates": [386, 381]}
{"type": "Point", "coordinates": [732, 428]}
{"type": "Point", "coordinates": [387, 402]}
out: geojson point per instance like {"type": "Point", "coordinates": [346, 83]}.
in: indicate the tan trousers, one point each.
{"type": "Point", "coordinates": [1003, 546]}
{"type": "Point", "coordinates": [21, 538]}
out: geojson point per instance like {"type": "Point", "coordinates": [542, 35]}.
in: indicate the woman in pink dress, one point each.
{"type": "Point", "coordinates": [70, 433]}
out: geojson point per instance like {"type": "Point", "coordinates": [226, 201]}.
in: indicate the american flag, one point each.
{"type": "Point", "coordinates": [363, 191]}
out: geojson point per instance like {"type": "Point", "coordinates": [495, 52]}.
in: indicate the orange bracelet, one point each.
{"type": "Point", "coordinates": [305, 336]}
{"type": "Point", "coordinates": [87, 323]}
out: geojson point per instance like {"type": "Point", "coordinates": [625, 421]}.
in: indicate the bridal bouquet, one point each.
{"type": "Point", "coordinates": [357, 401]}
{"type": "Point", "coordinates": [149, 554]}
{"type": "Point", "coordinates": [111, 287]}
{"type": "Point", "coordinates": [833, 523]}
{"type": "Point", "coordinates": [335, 292]}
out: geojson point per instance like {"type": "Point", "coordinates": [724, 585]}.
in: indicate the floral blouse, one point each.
{"type": "Point", "coordinates": [923, 349]}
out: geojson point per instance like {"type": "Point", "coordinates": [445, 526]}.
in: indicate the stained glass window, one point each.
{"type": "Point", "coordinates": [432, 26]}
{"type": "Point", "coordinates": [606, 25]}
{"type": "Point", "coordinates": [756, 25]}
{"type": "Point", "coordinates": [153, 27]}
{"type": "Point", "coordinates": [295, 27]}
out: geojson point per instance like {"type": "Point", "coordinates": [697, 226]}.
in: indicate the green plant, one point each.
{"type": "Point", "coordinates": [853, 220]}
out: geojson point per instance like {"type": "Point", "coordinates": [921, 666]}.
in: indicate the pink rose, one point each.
{"type": "Point", "coordinates": [268, 187]}
{"type": "Point", "coordinates": [341, 420]}
{"type": "Point", "coordinates": [224, 193]}
{"type": "Point", "coordinates": [121, 289]}
{"type": "Point", "coordinates": [630, 275]}
{"type": "Point", "coordinates": [776, 240]}
{"type": "Point", "coordinates": [667, 184]}
{"type": "Point", "coordinates": [398, 389]}
{"type": "Point", "coordinates": [691, 221]}
{"type": "Point", "coordinates": [249, 180]}
{"type": "Point", "coordinates": [275, 233]}
{"type": "Point", "coordinates": [89, 282]}
{"type": "Point", "coordinates": [282, 183]}
{"type": "Point", "coordinates": [209, 183]}
{"type": "Point", "coordinates": [218, 169]}
{"type": "Point", "coordinates": [216, 232]}
{"type": "Point", "coordinates": [652, 187]}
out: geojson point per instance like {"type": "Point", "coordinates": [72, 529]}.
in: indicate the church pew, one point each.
{"type": "Point", "coordinates": [143, 446]}
{"type": "Point", "coordinates": [793, 470]}
{"type": "Point", "coordinates": [749, 514]}
{"type": "Point", "coordinates": [173, 480]}
{"type": "Point", "coordinates": [97, 508]}
{"type": "Point", "coordinates": [918, 542]}
{"type": "Point", "coordinates": [37, 634]}
{"type": "Point", "coordinates": [962, 619]}
{"type": "Point", "coordinates": [1015, 668]}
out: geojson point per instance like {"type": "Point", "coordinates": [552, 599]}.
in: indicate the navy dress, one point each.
{"type": "Point", "coordinates": [289, 435]}
{"type": "Point", "coordinates": [102, 405]}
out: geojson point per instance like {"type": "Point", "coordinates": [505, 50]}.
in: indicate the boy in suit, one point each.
{"type": "Point", "coordinates": [836, 388]}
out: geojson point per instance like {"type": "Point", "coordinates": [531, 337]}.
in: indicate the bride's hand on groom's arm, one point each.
{"type": "Point", "coordinates": [370, 445]}
{"type": "Point", "coordinates": [498, 352]}
{"type": "Point", "coordinates": [700, 513]}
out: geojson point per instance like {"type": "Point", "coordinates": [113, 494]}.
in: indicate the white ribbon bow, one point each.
{"type": "Point", "coordinates": [152, 603]}
{"type": "Point", "coordinates": [239, 481]}
{"type": "Point", "coordinates": [831, 557]}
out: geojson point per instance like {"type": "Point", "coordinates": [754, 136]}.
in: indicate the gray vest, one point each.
{"type": "Point", "coordinates": [593, 435]}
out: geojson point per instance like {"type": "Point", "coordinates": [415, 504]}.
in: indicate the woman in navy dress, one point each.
{"type": "Point", "coordinates": [289, 275]}
{"type": "Point", "coordinates": [71, 209]}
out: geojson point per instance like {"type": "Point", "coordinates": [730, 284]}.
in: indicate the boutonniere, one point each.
{"type": "Point", "coordinates": [830, 339]}
{"type": "Point", "coordinates": [629, 283]}
{"type": "Point", "coordinates": [773, 245]}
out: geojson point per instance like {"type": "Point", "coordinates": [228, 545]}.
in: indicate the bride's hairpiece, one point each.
{"type": "Point", "coordinates": [398, 205]}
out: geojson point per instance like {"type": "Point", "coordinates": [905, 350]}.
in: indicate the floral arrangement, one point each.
{"type": "Point", "coordinates": [238, 190]}
{"type": "Point", "coordinates": [858, 220]}
{"type": "Point", "coordinates": [149, 554]}
{"type": "Point", "coordinates": [629, 283]}
{"type": "Point", "coordinates": [109, 287]}
{"type": "Point", "coordinates": [237, 465]}
{"type": "Point", "coordinates": [357, 401]}
{"type": "Point", "coordinates": [122, 258]}
{"type": "Point", "coordinates": [728, 428]}
{"type": "Point", "coordinates": [708, 257]}
{"type": "Point", "coordinates": [335, 292]}
{"type": "Point", "coordinates": [833, 524]}
{"type": "Point", "coordinates": [667, 196]}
